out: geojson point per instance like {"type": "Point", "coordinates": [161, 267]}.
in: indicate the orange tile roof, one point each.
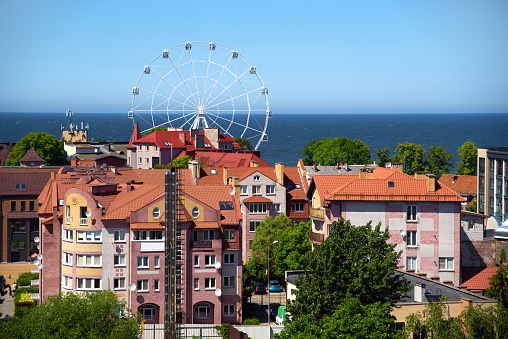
{"type": "Point", "coordinates": [147, 226]}
{"type": "Point", "coordinates": [257, 198]}
{"type": "Point", "coordinates": [125, 202]}
{"type": "Point", "coordinates": [228, 159]}
{"type": "Point", "coordinates": [292, 177]}
{"type": "Point", "coordinates": [481, 280]}
{"type": "Point", "coordinates": [462, 184]}
{"type": "Point", "coordinates": [206, 224]}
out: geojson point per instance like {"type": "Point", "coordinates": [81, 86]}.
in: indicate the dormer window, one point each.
{"type": "Point", "coordinates": [256, 178]}
{"type": "Point", "coordinates": [213, 171]}
{"type": "Point", "coordinates": [297, 186]}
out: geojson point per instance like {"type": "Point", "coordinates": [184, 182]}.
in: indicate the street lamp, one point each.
{"type": "Point", "coordinates": [268, 285]}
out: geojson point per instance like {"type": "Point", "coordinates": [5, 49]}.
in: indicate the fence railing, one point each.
{"type": "Point", "coordinates": [156, 331]}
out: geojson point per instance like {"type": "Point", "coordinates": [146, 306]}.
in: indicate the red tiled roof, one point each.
{"type": "Point", "coordinates": [228, 159]}
{"type": "Point", "coordinates": [257, 198]}
{"type": "Point", "coordinates": [31, 155]}
{"type": "Point", "coordinates": [147, 226]}
{"type": "Point", "coordinates": [206, 224]}
{"type": "Point", "coordinates": [481, 280]}
{"type": "Point", "coordinates": [136, 134]}
{"type": "Point", "coordinates": [462, 184]}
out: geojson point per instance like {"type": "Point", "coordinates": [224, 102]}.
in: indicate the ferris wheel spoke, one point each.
{"type": "Point", "coordinates": [240, 124]}
{"type": "Point", "coordinates": [165, 97]}
{"type": "Point", "coordinates": [217, 81]}
{"type": "Point", "coordinates": [237, 79]}
{"type": "Point", "coordinates": [181, 77]}
{"type": "Point", "coordinates": [206, 76]}
{"type": "Point", "coordinates": [194, 73]}
{"type": "Point", "coordinates": [233, 98]}
{"type": "Point", "coordinates": [174, 89]}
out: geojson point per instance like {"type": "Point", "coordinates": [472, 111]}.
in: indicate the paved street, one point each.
{"type": "Point", "coordinates": [259, 305]}
{"type": "Point", "coordinates": [13, 270]}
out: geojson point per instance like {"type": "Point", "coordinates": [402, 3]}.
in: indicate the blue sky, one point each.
{"type": "Point", "coordinates": [314, 56]}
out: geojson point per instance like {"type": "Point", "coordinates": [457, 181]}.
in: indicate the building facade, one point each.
{"type": "Point", "coordinates": [492, 193]}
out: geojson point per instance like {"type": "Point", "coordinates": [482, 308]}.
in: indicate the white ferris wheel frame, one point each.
{"type": "Point", "coordinates": [201, 107]}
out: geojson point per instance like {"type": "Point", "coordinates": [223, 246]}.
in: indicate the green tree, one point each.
{"type": "Point", "coordinates": [352, 260]}
{"type": "Point", "coordinates": [473, 207]}
{"type": "Point", "coordinates": [411, 155]}
{"type": "Point", "coordinates": [468, 157]}
{"type": "Point", "coordinates": [293, 250]}
{"type": "Point", "coordinates": [438, 160]}
{"type": "Point", "coordinates": [244, 144]}
{"type": "Point", "coordinates": [92, 315]}
{"type": "Point", "coordinates": [331, 151]}
{"type": "Point", "coordinates": [158, 128]}
{"type": "Point", "coordinates": [181, 162]}
{"type": "Point", "coordinates": [351, 319]}
{"type": "Point", "coordinates": [498, 284]}
{"type": "Point", "coordinates": [49, 148]}
{"type": "Point", "coordinates": [383, 156]}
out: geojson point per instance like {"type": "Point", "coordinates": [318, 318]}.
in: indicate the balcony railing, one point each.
{"type": "Point", "coordinates": [34, 282]}
{"type": "Point", "coordinates": [82, 221]}
{"type": "Point", "coordinates": [316, 237]}
{"type": "Point", "coordinates": [317, 213]}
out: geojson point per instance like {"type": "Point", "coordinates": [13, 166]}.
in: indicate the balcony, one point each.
{"type": "Point", "coordinates": [316, 237]}
{"type": "Point", "coordinates": [317, 213]}
{"type": "Point", "coordinates": [82, 221]}
{"type": "Point", "coordinates": [206, 244]}
{"type": "Point", "coordinates": [34, 282]}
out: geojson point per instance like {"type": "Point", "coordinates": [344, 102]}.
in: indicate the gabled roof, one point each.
{"type": "Point", "coordinates": [228, 159]}
{"type": "Point", "coordinates": [257, 198]}
{"type": "Point", "coordinates": [462, 184]}
{"type": "Point", "coordinates": [385, 185]}
{"type": "Point", "coordinates": [136, 134]}
{"type": "Point", "coordinates": [128, 201]}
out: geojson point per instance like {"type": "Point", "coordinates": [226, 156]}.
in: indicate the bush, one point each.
{"type": "Point", "coordinates": [251, 320]}
{"type": "Point", "coordinates": [24, 278]}
{"type": "Point", "coordinates": [22, 308]}
{"type": "Point", "coordinates": [21, 290]}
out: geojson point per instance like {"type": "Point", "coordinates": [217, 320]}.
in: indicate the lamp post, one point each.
{"type": "Point", "coordinates": [268, 285]}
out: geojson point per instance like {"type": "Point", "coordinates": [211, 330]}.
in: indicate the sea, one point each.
{"type": "Point", "coordinates": [289, 133]}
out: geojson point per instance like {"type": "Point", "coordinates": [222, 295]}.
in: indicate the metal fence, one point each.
{"type": "Point", "coordinates": [156, 331]}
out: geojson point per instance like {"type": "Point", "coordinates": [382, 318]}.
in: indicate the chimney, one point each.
{"type": "Point", "coordinates": [181, 136]}
{"type": "Point", "coordinates": [346, 167]}
{"type": "Point", "coordinates": [279, 172]}
{"type": "Point", "coordinates": [199, 141]}
{"type": "Point", "coordinates": [398, 166]}
{"type": "Point", "coordinates": [314, 166]}
{"type": "Point", "coordinates": [419, 292]}
{"type": "Point", "coordinates": [235, 183]}
{"type": "Point", "coordinates": [128, 186]}
{"type": "Point", "coordinates": [465, 303]}
{"type": "Point", "coordinates": [436, 279]}
{"type": "Point", "coordinates": [365, 173]}
{"type": "Point", "coordinates": [113, 169]}
{"type": "Point", "coordinates": [338, 166]}
{"type": "Point", "coordinates": [421, 175]}
{"type": "Point", "coordinates": [212, 134]}
{"type": "Point", "coordinates": [431, 182]}
{"type": "Point", "coordinates": [254, 163]}
{"type": "Point", "coordinates": [195, 170]}
{"type": "Point", "coordinates": [225, 175]}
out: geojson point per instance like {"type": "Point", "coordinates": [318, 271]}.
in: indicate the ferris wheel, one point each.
{"type": "Point", "coordinates": [198, 85]}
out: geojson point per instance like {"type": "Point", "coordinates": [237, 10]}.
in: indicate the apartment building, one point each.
{"type": "Point", "coordinates": [106, 230]}
{"type": "Point", "coordinates": [492, 192]}
{"type": "Point", "coordinates": [421, 214]}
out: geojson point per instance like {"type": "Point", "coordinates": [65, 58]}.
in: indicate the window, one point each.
{"type": "Point", "coordinates": [23, 206]}
{"type": "Point", "coordinates": [143, 285]}
{"type": "Point", "coordinates": [243, 190]}
{"type": "Point", "coordinates": [196, 283]}
{"type": "Point", "coordinates": [82, 216]}
{"type": "Point", "coordinates": [20, 186]}
{"type": "Point", "coordinates": [119, 236]}
{"type": "Point", "coordinates": [229, 310]}
{"type": "Point", "coordinates": [297, 207]}
{"type": "Point", "coordinates": [229, 258]}
{"type": "Point", "coordinates": [411, 238]}
{"type": "Point", "coordinates": [119, 284]}
{"type": "Point", "coordinates": [256, 190]}
{"type": "Point", "coordinates": [156, 262]}
{"type": "Point", "coordinates": [253, 225]}
{"type": "Point", "coordinates": [213, 171]}
{"type": "Point", "coordinates": [411, 213]}
{"type": "Point", "coordinates": [67, 282]}
{"type": "Point", "coordinates": [481, 162]}
{"type": "Point", "coordinates": [148, 312]}
{"type": "Point", "coordinates": [208, 235]}
{"type": "Point", "coordinates": [119, 260]}
{"type": "Point", "coordinates": [195, 212]}
{"type": "Point", "coordinates": [89, 260]}
{"type": "Point", "coordinates": [250, 244]}
{"type": "Point", "coordinates": [491, 183]}
{"type": "Point", "coordinates": [88, 283]}
{"type": "Point", "coordinates": [156, 213]}
{"type": "Point", "coordinates": [13, 206]}
{"type": "Point", "coordinates": [147, 235]}
{"type": "Point", "coordinates": [67, 259]}
{"type": "Point", "coordinates": [470, 225]}
{"type": "Point", "coordinates": [140, 161]}
{"type": "Point", "coordinates": [202, 311]}
{"type": "Point", "coordinates": [89, 236]}
{"type": "Point", "coordinates": [491, 202]}
{"type": "Point", "coordinates": [229, 234]}
{"type": "Point", "coordinates": [257, 208]}
{"type": "Point", "coordinates": [142, 262]}
{"type": "Point", "coordinates": [481, 202]}
{"type": "Point", "coordinates": [270, 189]}
{"type": "Point", "coordinates": [256, 178]}
{"type": "Point", "coordinates": [411, 263]}
{"type": "Point", "coordinates": [156, 285]}
{"type": "Point", "coordinates": [209, 260]}
{"type": "Point", "coordinates": [276, 208]}
{"type": "Point", "coordinates": [67, 235]}
{"type": "Point", "coordinates": [491, 162]}
{"type": "Point", "coordinates": [446, 264]}
{"type": "Point", "coordinates": [147, 161]}
{"type": "Point", "coordinates": [209, 283]}
{"type": "Point", "coordinates": [482, 184]}
{"type": "Point", "coordinates": [229, 281]}
{"type": "Point", "coordinates": [196, 261]}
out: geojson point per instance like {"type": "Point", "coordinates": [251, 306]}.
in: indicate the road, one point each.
{"type": "Point", "coordinates": [259, 305]}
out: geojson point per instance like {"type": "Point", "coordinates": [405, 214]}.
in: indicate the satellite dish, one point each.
{"type": "Point", "coordinates": [401, 232]}
{"type": "Point", "coordinates": [36, 262]}
{"type": "Point", "coordinates": [232, 192]}
{"type": "Point", "coordinates": [88, 214]}
{"type": "Point", "coordinates": [132, 287]}
{"type": "Point", "coordinates": [217, 265]}
{"type": "Point", "coordinates": [39, 256]}
{"type": "Point", "coordinates": [39, 266]}
{"type": "Point", "coordinates": [38, 247]}
{"type": "Point", "coordinates": [218, 292]}
{"type": "Point", "coordinates": [36, 239]}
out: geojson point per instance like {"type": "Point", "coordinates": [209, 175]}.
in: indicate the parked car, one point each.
{"type": "Point", "coordinates": [274, 286]}
{"type": "Point", "coordinates": [259, 288]}
{"type": "Point", "coordinates": [273, 311]}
